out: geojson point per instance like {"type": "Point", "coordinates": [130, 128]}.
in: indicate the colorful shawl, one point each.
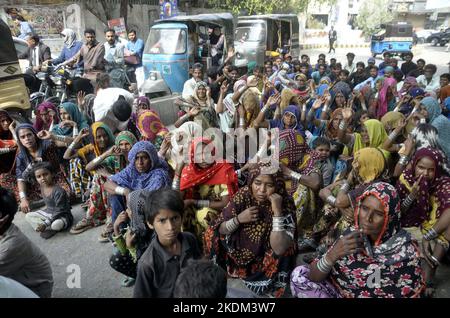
{"type": "Point", "coordinates": [93, 147]}
{"type": "Point", "coordinates": [434, 195]}
{"type": "Point", "coordinates": [150, 125]}
{"type": "Point", "coordinates": [391, 120]}
{"type": "Point", "coordinates": [75, 116]}
{"type": "Point", "coordinates": [217, 173]}
{"type": "Point", "coordinates": [377, 136]}
{"type": "Point", "coordinates": [395, 258]}
{"type": "Point", "coordinates": [388, 83]}
{"type": "Point", "coordinates": [45, 106]}
{"type": "Point", "coordinates": [247, 253]}
{"type": "Point", "coordinates": [157, 177]}
{"type": "Point", "coordinates": [296, 155]}
{"type": "Point", "coordinates": [439, 121]}
{"type": "Point", "coordinates": [331, 132]}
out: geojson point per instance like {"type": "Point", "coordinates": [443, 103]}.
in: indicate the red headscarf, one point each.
{"type": "Point", "coordinates": [218, 173]}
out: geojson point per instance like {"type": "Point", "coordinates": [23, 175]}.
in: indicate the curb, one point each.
{"type": "Point", "coordinates": [319, 46]}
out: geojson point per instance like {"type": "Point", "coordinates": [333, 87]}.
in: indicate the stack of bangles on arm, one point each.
{"type": "Point", "coordinates": [430, 235]}
{"type": "Point", "coordinates": [345, 187]}
{"type": "Point", "coordinates": [278, 224]}
{"type": "Point", "coordinates": [120, 190]}
{"type": "Point", "coordinates": [22, 195]}
{"type": "Point", "coordinates": [324, 265]}
{"type": "Point", "coordinates": [59, 138]}
{"type": "Point", "coordinates": [342, 125]}
{"type": "Point", "coordinates": [232, 224]}
{"type": "Point", "coordinates": [176, 183]}
{"type": "Point", "coordinates": [184, 118]}
{"type": "Point", "coordinates": [5, 150]}
{"type": "Point", "coordinates": [392, 136]}
{"type": "Point", "coordinates": [403, 160]}
{"type": "Point", "coordinates": [202, 203]}
{"type": "Point", "coordinates": [72, 145]}
{"type": "Point", "coordinates": [331, 200]}
{"type": "Point", "coordinates": [75, 132]}
{"type": "Point", "coordinates": [295, 175]}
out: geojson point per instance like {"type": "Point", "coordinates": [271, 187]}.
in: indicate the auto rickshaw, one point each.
{"type": "Point", "coordinates": [395, 38]}
{"type": "Point", "coordinates": [13, 92]}
{"type": "Point", "coordinates": [174, 45]}
{"type": "Point", "coordinates": [259, 36]}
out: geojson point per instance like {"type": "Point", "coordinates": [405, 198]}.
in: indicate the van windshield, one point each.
{"type": "Point", "coordinates": [166, 41]}
{"type": "Point", "coordinates": [253, 33]}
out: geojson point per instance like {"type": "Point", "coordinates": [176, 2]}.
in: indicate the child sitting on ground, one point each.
{"type": "Point", "coordinates": [57, 215]}
{"type": "Point", "coordinates": [322, 146]}
{"type": "Point", "coordinates": [169, 251]}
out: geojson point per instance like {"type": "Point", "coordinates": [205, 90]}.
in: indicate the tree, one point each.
{"type": "Point", "coordinates": [251, 7]}
{"type": "Point", "coordinates": [373, 13]}
{"type": "Point", "coordinates": [103, 9]}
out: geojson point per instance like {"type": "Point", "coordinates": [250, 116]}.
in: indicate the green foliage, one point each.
{"type": "Point", "coordinates": [373, 13]}
{"type": "Point", "coordinates": [251, 7]}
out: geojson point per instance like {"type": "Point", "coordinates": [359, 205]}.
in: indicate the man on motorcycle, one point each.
{"type": "Point", "coordinates": [37, 52]}
{"type": "Point", "coordinates": [70, 49]}
{"type": "Point", "coordinates": [92, 54]}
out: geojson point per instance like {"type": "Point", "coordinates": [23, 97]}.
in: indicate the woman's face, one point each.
{"type": "Point", "coordinates": [45, 116]}
{"type": "Point", "coordinates": [289, 120]}
{"type": "Point", "coordinates": [142, 162]}
{"type": "Point", "coordinates": [201, 92]}
{"type": "Point", "coordinates": [301, 83]}
{"type": "Point", "coordinates": [365, 135]}
{"type": "Point", "coordinates": [263, 187]}
{"type": "Point", "coordinates": [426, 168]}
{"type": "Point", "coordinates": [324, 151]}
{"type": "Point", "coordinates": [378, 85]}
{"type": "Point", "coordinates": [336, 121]}
{"type": "Point", "coordinates": [64, 114]}
{"type": "Point", "coordinates": [27, 138]}
{"type": "Point", "coordinates": [200, 155]}
{"type": "Point", "coordinates": [423, 111]}
{"type": "Point", "coordinates": [143, 106]}
{"type": "Point", "coordinates": [125, 146]}
{"type": "Point", "coordinates": [102, 139]}
{"type": "Point", "coordinates": [4, 123]}
{"type": "Point", "coordinates": [371, 217]}
{"type": "Point", "coordinates": [340, 99]}
{"type": "Point", "coordinates": [363, 118]}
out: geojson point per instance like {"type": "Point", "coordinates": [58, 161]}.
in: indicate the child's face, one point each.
{"type": "Point", "coordinates": [167, 225]}
{"type": "Point", "coordinates": [343, 77]}
{"type": "Point", "coordinates": [324, 151]}
{"type": "Point", "coordinates": [44, 177]}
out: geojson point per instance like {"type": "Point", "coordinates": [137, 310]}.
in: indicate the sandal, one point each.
{"type": "Point", "coordinates": [48, 234]}
{"type": "Point", "coordinates": [429, 289]}
{"type": "Point", "coordinates": [81, 226]}
{"type": "Point", "coordinates": [128, 282]}
{"type": "Point", "coordinates": [106, 234]}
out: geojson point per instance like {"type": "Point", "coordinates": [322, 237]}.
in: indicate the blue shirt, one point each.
{"type": "Point", "coordinates": [25, 29]}
{"type": "Point", "coordinates": [68, 53]}
{"type": "Point", "coordinates": [136, 47]}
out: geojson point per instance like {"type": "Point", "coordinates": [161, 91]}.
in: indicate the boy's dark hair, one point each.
{"type": "Point", "coordinates": [321, 55]}
{"type": "Point", "coordinates": [201, 279]}
{"type": "Point", "coordinates": [34, 37]}
{"type": "Point", "coordinates": [386, 54]}
{"type": "Point", "coordinates": [89, 31]}
{"type": "Point", "coordinates": [197, 66]}
{"type": "Point", "coordinates": [321, 141]}
{"type": "Point", "coordinates": [431, 67]}
{"type": "Point", "coordinates": [233, 68]}
{"type": "Point", "coordinates": [121, 109]}
{"type": "Point", "coordinates": [409, 54]}
{"type": "Point", "coordinates": [345, 72]}
{"type": "Point", "coordinates": [361, 64]}
{"type": "Point", "coordinates": [110, 30]}
{"type": "Point", "coordinates": [336, 148]}
{"type": "Point", "coordinates": [304, 55]}
{"type": "Point", "coordinates": [132, 31]}
{"type": "Point", "coordinates": [8, 206]}
{"type": "Point", "coordinates": [166, 199]}
{"type": "Point", "coordinates": [304, 65]}
{"type": "Point", "coordinates": [374, 67]}
{"type": "Point", "coordinates": [446, 75]}
{"type": "Point", "coordinates": [421, 60]}
{"type": "Point", "coordinates": [43, 165]}
{"type": "Point", "coordinates": [212, 72]}
{"type": "Point", "coordinates": [333, 59]}
{"type": "Point", "coordinates": [398, 75]}
{"type": "Point", "coordinates": [103, 80]}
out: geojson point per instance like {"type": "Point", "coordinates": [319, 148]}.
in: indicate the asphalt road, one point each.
{"type": "Point", "coordinates": [431, 54]}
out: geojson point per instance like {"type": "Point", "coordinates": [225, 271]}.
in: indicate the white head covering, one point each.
{"type": "Point", "coordinates": [69, 37]}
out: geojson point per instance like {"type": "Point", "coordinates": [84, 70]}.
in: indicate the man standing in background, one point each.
{"type": "Point", "coordinates": [332, 37]}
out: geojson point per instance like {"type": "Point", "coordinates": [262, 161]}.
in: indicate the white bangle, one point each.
{"type": "Point", "coordinates": [72, 145]}
{"type": "Point", "coordinates": [22, 195]}
{"type": "Point", "coordinates": [119, 190]}
{"type": "Point", "coordinates": [295, 175]}
{"type": "Point", "coordinates": [241, 121]}
{"type": "Point", "coordinates": [342, 125]}
{"type": "Point", "coordinates": [304, 108]}
{"type": "Point", "coordinates": [325, 108]}
{"type": "Point", "coordinates": [75, 132]}
{"type": "Point", "coordinates": [96, 160]}
{"type": "Point", "coordinates": [203, 203]}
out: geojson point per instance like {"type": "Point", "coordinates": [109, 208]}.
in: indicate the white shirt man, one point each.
{"type": "Point", "coordinates": [429, 86]}
{"type": "Point", "coordinates": [103, 107]}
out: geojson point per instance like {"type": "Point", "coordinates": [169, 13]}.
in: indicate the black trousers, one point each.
{"type": "Point", "coordinates": [123, 264]}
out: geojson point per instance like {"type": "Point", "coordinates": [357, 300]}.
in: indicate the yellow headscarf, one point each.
{"type": "Point", "coordinates": [391, 120]}
{"type": "Point", "coordinates": [377, 136]}
{"type": "Point", "coordinates": [288, 97]}
{"type": "Point", "coordinates": [370, 163]}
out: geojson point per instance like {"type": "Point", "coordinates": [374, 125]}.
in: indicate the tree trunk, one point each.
{"type": "Point", "coordinates": [124, 10]}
